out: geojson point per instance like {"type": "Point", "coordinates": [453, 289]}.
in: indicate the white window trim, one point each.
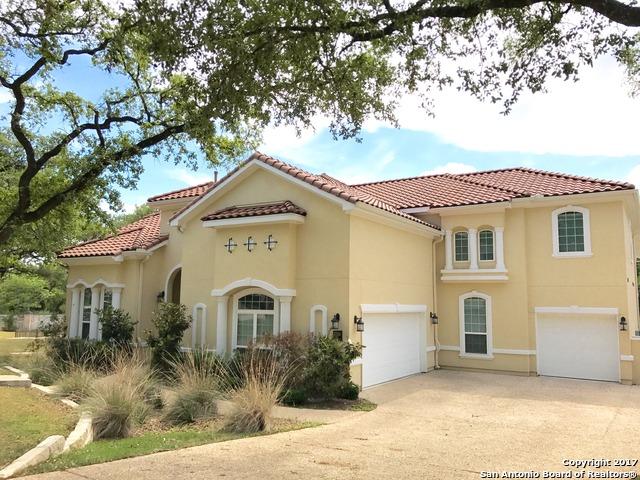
{"type": "Point", "coordinates": [586, 226]}
{"type": "Point", "coordinates": [493, 244]}
{"type": "Point", "coordinates": [487, 299]}
{"type": "Point", "coordinates": [83, 307]}
{"type": "Point", "coordinates": [455, 252]}
{"type": "Point", "coordinates": [170, 279]}
{"type": "Point", "coordinates": [203, 325]}
{"type": "Point", "coordinates": [238, 296]}
{"type": "Point", "coordinates": [325, 319]}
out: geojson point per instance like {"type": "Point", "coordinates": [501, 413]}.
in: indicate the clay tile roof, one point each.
{"type": "Point", "coordinates": [255, 210]}
{"type": "Point", "coordinates": [448, 190]}
{"type": "Point", "coordinates": [140, 235]}
{"type": "Point", "coordinates": [188, 192]}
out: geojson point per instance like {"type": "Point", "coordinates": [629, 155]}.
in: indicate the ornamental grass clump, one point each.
{"type": "Point", "coordinates": [261, 383]}
{"type": "Point", "coordinates": [76, 383]}
{"type": "Point", "coordinates": [199, 379]}
{"type": "Point", "coordinates": [117, 401]}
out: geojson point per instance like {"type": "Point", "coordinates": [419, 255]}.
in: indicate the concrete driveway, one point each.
{"type": "Point", "coordinates": [440, 425]}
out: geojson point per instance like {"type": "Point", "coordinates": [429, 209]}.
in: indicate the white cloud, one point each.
{"type": "Point", "coordinates": [188, 177]}
{"type": "Point", "coordinates": [5, 96]}
{"type": "Point", "coordinates": [451, 167]}
{"type": "Point", "coordinates": [634, 176]}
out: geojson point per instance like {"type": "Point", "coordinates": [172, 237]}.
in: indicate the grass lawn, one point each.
{"type": "Point", "coordinates": [145, 443]}
{"type": "Point", "coordinates": [10, 345]}
{"type": "Point", "coordinates": [4, 371]}
{"type": "Point", "coordinates": [26, 418]}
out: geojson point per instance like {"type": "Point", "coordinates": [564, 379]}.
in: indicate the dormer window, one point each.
{"type": "Point", "coordinates": [571, 232]}
{"type": "Point", "coordinates": [461, 240]}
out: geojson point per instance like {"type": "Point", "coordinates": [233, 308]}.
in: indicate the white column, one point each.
{"type": "Point", "coordinates": [203, 328]}
{"type": "Point", "coordinates": [448, 256]}
{"type": "Point", "coordinates": [500, 248]}
{"type": "Point", "coordinates": [473, 249]}
{"type": "Point", "coordinates": [221, 325]}
{"type": "Point", "coordinates": [74, 319]}
{"type": "Point", "coordinates": [285, 314]}
{"type": "Point", "coordinates": [116, 295]}
{"type": "Point", "coordinates": [95, 300]}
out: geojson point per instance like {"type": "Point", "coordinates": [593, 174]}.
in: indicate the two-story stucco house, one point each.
{"type": "Point", "coordinates": [512, 270]}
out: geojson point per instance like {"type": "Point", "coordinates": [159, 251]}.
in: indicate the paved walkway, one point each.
{"type": "Point", "coordinates": [442, 425]}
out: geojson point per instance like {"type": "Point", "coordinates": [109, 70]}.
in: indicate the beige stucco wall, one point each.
{"type": "Point", "coordinates": [537, 279]}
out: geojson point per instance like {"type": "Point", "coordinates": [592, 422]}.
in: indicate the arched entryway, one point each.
{"type": "Point", "coordinates": [174, 283]}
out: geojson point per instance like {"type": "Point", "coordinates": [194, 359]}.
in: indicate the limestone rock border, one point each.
{"type": "Point", "coordinates": [54, 445]}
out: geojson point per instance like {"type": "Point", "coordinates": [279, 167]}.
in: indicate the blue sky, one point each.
{"type": "Point", "coordinates": [588, 128]}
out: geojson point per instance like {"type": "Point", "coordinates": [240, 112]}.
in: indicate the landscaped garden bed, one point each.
{"type": "Point", "coordinates": [26, 418]}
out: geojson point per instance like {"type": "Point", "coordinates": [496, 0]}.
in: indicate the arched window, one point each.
{"type": "Point", "coordinates": [461, 244]}
{"type": "Point", "coordinates": [486, 245]}
{"type": "Point", "coordinates": [475, 324]}
{"type": "Point", "coordinates": [571, 232]}
{"type": "Point", "coordinates": [173, 286]}
{"type": "Point", "coordinates": [255, 318]}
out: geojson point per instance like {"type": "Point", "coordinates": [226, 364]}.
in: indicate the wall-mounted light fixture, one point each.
{"type": "Point", "coordinates": [434, 318]}
{"type": "Point", "coordinates": [623, 324]}
{"type": "Point", "coordinates": [230, 245]}
{"type": "Point", "coordinates": [160, 296]}
{"type": "Point", "coordinates": [359, 323]}
{"type": "Point", "coordinates": [335, 322]}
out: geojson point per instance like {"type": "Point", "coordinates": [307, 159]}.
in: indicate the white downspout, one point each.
{"type": "Point", "coordinates": [434, 270]}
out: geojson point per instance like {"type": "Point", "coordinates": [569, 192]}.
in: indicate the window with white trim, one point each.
{"type": "Point", "coordinates": [475, 325]}
{"type": "Point", "coordinates": [486, 245]}
{"type": "Point", "coordinates": [107, 298]}
{"type": "Point", "coordinates": [85, 317]}
{"type": "Point", "coordinates": [571, 232]}
{"type": "Point", "coordinates": [255, 318]}
{"type": "Point", "coordinates": [461, 246]}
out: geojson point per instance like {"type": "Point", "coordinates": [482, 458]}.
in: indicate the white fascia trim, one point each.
{"type": "Point", "coordinates": [416, 210]}
{"type": "Point", "coordinates": [451, 348]}
{"type": "Point", "coordinates": [626, 358]}
{"type": "Point", "coordinates": [514, 351]}
{"type": "Point", "coordinates": [100, 281]}
{"type": "Point", "coordinates": [255, 283]}
{"type": "Point", "coordinates": [95, 260]}
{"type": "Point", "coordinates": [537, 200]}
{"type": "Point", "coordinates": [159, 245]}
{"type": "Point", "coordinates": [378, 215]}
{"type": "Point", "coordinates": [392, 308]}
{"type": "Point", "coordinates": [258, 164]}
{"type": "Point", "coordinates": [276, 218]}
{"type": "Point", "coordinates": [576, 310]}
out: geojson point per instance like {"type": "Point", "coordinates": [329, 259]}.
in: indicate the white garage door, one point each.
{"type": "Point", "coordinates": [392, 347]}
{"type": "Point", "coordinates": [578, 346]}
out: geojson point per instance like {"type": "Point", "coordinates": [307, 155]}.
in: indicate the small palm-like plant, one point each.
{"type": "Point", "coordinates": [198, 383]}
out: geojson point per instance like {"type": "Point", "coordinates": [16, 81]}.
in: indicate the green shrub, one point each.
{"type": "Point", "coordinates": [117, 401]}
{"type": "Point", "coordinates": [171, 320]}
{"type": "Point", "coordinates": [56, 326]}
{"type": "Point", "coordinates": [349, 391]}
{"type": "Point", "coordinates": [76, 383]}
{"type": "Point", "coordinates": [66, 352]}
{"type": "Point", "coordinates": [197, 388]}
{"type": "Point", "coordinates": [41, 369]}
{"type": "Point", "coordinates": [294, 397]}
{"type": "Point", "coordinates": [117, 326]}
{"type": "Point", "coordinates": [327, 367]}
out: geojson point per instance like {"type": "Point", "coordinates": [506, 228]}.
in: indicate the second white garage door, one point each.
{"type": "Point", "coordinates": [578, 346]}
{"type": "Point", "coordinates": [392, 347]}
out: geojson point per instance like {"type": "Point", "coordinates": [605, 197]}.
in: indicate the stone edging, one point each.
{"type": "Point", "coordinates": [54, 445]}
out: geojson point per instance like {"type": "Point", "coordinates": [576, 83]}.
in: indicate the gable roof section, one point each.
{"type": "Point", "coordinates": [322, 182]}
{"type": "Point", "coordinates": [140, 235]}
{"type": "Point", "coordinates": [189, 192]}
{"type": "Point", "coordinates": [255, 210]}
{"type": "Point", "coordinates": [451, 190]}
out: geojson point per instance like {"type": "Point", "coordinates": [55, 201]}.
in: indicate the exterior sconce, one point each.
{"type": "Point", "coordinates": [335, 322]}
{"type": "Point", "coordinates": [434, 318]}
{"type": "Point", "coordinates": [623, 324]}
{"type": "Point", "coordinates": [271, 242]}
{"type": "Point", "coordinates": [160, 296]}
{"type": "Point", "coordinates": [250, 244]}
{"type": "Point", "coordinates": [359, 323]}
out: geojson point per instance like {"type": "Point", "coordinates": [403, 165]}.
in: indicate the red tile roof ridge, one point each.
{"type": "Point", "coordinates": [156, 198]}
{"type": "Point", "coordinates": [551, 173]}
